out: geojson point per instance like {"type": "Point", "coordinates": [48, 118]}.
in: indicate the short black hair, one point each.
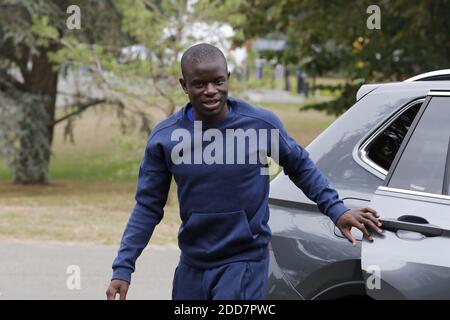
{"type": "Point", "coordinates": [200, 53]}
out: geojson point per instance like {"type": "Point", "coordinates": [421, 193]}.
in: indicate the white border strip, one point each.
{"type": "Point", "coordinates": [439, 93]}
{"type": "Point", "coordinates": [428, 74]}
{"type": "Point", "coordinates": [414, 193]}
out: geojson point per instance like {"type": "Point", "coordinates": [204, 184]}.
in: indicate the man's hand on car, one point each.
{"type": "Point", "coordinates": [360, 219]}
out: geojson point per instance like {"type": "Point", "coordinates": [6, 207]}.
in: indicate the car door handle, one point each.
{"type": "Point", "coordinates": [413, 219]}
{"type": "Point", "coordinates": [420, 226]}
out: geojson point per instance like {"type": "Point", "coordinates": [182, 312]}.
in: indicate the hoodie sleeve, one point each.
{"type": "Point", "coordinates": [306, 175]}
{"type": "Point", "coordinates": [151, 196]}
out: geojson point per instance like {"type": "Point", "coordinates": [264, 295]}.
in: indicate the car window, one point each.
{"type": "Point", "coordinates": [446, 190]}
{"type": "Point", "coordinates": [384, 147]}
{"type": "Point", "coordinates": [421, 166]}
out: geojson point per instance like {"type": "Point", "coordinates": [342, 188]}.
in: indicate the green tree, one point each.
{"type": "Point", "coordinates": [130, 48]}
{"type": "Point", "coordinates": [29, 77]}
{"type": "Point", "coordinates": [332, 36]}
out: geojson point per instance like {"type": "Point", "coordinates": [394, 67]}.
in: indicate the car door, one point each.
{"type": "Point", "coordinates": [411, 260]}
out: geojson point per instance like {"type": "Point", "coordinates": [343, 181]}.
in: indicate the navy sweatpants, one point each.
{"type": "Point", "coordinates": [244, 280]}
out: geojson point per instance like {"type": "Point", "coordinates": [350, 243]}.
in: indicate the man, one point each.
{"type": "Point", "coordinates": [222, 188]}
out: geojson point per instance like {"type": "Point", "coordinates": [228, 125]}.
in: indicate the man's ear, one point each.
{"type": "Point", "coordinates": [229, 74]}
{"type": "Point", "coordinates": [183, 85]}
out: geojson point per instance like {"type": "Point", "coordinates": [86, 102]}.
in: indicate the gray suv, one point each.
{"type": "Point", "coordinates": [390, 151]}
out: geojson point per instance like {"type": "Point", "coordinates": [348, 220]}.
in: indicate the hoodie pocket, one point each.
{"type": "Point", "coordinates": [212, 236]}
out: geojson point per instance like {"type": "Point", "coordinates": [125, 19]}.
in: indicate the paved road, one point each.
{"type": "Point", "coordinates": [38, 270]}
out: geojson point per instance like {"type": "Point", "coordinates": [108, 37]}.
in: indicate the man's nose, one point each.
{"type": "Point", "coordinates": [210, 89]}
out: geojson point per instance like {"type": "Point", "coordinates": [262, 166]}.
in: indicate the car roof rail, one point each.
{"type": "Point", "coordinates": [438, 75]}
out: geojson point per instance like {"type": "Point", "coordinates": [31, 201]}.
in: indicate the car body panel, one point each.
{"type": "Point", "coordinates": [314, 258]}
{"type": "Point", "coordinates": [332, 151]}
{"type": "Point", "coordinates": [279, 287]}
{"type": "Point", "coordinates": [412, 257]}
{"type": "Point", "coordinates": [414, 265]}
{"type": "Point", "coordinates": [303, 234]}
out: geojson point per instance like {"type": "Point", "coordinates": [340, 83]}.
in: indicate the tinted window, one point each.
{"type": "Point", "coordinates": [384, 147]}
{"type": "Point", "coordinates": [447, 172]}
{"type": "Point", "coordinates": [448, 183]}
{"type": "Point", "coordinates": [422, 164]}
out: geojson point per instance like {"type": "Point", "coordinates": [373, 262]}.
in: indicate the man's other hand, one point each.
{"type": "Point", "coordinates": [117, 287]}
{"type": "Point", "coordinates": [360, 219]}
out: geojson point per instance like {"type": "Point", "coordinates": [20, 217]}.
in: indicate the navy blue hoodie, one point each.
{"type": "Point", "coordinates": [223, 206]}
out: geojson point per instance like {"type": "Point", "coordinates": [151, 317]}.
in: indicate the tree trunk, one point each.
{"type": "Point", "coordinates": [40, 81]}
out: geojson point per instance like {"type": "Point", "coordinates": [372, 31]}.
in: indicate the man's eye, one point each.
{"type": "Point", "coordinates": [219, 82]}
{"type": "Point", "coordinates": [198, 85]}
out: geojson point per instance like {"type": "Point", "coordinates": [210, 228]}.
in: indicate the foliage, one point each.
{"type": "Point", "coordinates": [128, 50]}
{"type": "Point", "coordinates": [30, 29]}
{"type": "Point", "coordinates": [337, 106]}
{"type": "Point", "coordinates": [129, 153]}
{"type": "Point", "coordinates": [332, 36]}
{"type": "Point", "coordinates": [29, 34]}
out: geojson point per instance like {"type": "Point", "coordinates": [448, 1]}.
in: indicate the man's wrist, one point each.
{"type": "Point", "coordinates": [336, 211]}
{"type": "Point", "coordinates": [123, 274]}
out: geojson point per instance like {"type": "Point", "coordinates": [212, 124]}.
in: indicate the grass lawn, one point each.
{"type": "Point", "coordinates": [93, 182]}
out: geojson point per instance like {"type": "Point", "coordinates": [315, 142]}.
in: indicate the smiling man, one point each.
{"type": "Point", "coordinates": [224, 209]}
{"type": "Point", "coordinates": [205, 81]}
